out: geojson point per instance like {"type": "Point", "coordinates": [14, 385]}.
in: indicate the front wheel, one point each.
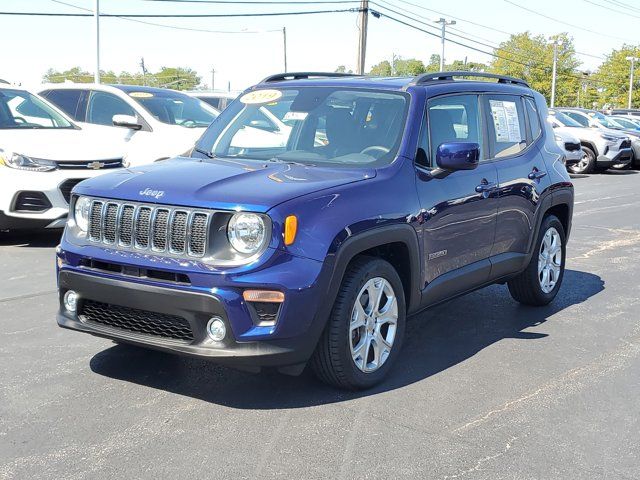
{"type": "Point", "coordinates": [539, 283]}
{"type": "Point", "coordinates": [587, 164]}
{"type": "Point", "coordinates": [364, 332]}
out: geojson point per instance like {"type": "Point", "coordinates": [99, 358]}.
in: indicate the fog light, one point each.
{"type": "Point", "coordinates": [216, 329]}
{"type": "Point", "coordinates": [70, 301]}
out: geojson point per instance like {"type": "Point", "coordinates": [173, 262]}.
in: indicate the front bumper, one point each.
{"type": "Point", "coordinates": [286, 345]}
{"type": "Point", "coordinates": [51, 184]}
{"type": "Point", "coordinates": [614, 157]}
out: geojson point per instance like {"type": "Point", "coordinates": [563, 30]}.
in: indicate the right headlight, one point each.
{"type": "Point", "coordinates": [81, 213]}
{"type": "Point", "coordinates": [246, 232]}
{"type": "Point", "coordinates": [609, 138]}
{"type": "Point", "coordinates": [22, 162]}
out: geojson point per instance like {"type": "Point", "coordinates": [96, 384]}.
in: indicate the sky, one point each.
{"type": "Point", "coordinates": [254, 48]}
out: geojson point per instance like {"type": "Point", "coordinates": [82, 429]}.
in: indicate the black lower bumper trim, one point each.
{"type": "Point", "coordinates": [22, 223]}
{"type": "Point", "coordinates": [195, 308]}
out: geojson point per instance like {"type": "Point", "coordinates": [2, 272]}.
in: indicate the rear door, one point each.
{"type": "Point", "coordinates": [73, 102]}
{"type": "Point", "coordinates": [515, 133]}
{"type": "Point", "coordinates": [459, 209]}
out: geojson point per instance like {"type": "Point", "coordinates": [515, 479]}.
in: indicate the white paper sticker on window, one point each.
{"type": "Point", "coordinates": [505, 121]}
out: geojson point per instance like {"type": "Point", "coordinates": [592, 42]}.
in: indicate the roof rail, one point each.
{"type": "Point", "coordinates": [449, 76]}
{"type": "Point", "coordinates": [279, 77]}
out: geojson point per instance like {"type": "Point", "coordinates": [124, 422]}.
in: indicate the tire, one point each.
{"type": "Point", "coordinates": [528, 288]}
{"type": "Point", "coordinates": [587, 164]}
{"type": "Point", "coordinates": [337, 359]}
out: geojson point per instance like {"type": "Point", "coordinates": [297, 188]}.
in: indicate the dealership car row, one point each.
{"type": "Point", "coordinates": [55, 137]}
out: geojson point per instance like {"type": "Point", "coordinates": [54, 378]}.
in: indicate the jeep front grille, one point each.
{"type": "Point", "coordinates": [159, 228]}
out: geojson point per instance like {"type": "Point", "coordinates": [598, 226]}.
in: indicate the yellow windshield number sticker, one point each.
{"type": "Point", "coordinates": [260, 96]}
{"type": "Point", "coordinates": [141, 94]}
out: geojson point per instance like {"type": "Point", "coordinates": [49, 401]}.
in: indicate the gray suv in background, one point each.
{"type": "Point", "coordinates": [603, 148]}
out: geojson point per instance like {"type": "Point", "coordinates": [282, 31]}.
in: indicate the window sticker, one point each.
{"type": "Point", "coordinates": [260, 96]}
{"type": "Point", "coordinates": [505, 121]}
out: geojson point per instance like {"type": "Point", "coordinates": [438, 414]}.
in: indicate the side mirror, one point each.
{"type": "Point", "coordinates": [458, 156]}
{"type": "Point", "coordinates": [127, 121]}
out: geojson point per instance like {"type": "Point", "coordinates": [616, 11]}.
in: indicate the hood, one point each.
{"type": "Point", "coordinates": [592, 134]}
{"type": "Point", "coordinates": [219, 184]}
{"type": "Point", "coordinates": [60, 144]}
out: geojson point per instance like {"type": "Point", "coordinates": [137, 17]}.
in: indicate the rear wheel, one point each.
{"type": "Point", "coordinates": [539, 283]}
{"type": "Point", "coordinates": [587, 164]}
{"type": "Point", "coordinates": [364, 332]}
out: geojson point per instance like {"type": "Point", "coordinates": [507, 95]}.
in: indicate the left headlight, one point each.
{"type": "Point", "coordinates": [22, 162]}
{"type": "Point", "coordinates": [246, 232]}
{"type": "Point", "coordinates": [81, 213]}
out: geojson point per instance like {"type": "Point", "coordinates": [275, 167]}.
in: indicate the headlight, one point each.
{"type": "Point", "coordinates": [246, 232]}
{"type": "Point", "coordinates": [609, 138]}
{"type": "Point", "coordinates": [558, 138]}
{"type": "Point", "coordinates": [81, 213]}
{"type": "Point", "coordinates": [22, 162]}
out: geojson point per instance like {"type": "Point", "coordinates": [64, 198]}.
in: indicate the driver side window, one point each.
{"type": "Point", "coordinates": [453, 118]}
{"type": "Point", "coordinates": [103, 106]}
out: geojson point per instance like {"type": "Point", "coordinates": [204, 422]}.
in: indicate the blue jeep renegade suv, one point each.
{"type": "Point", "coordinates": [314, 215]}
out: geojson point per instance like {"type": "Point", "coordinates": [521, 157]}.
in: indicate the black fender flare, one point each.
{"type": "Point", "coordinates": [335, 266]}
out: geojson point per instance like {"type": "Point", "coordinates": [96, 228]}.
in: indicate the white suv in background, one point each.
{"type": "Point", "coordinates": [603, 148]}
{"type": "Point", "coordinates": [155, 123]}
{"type": "Point", "coordinates": [43, 155]}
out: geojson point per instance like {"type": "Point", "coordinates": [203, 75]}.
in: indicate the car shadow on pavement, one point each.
{"type": "Point", "coordinates": [435, 340]}
{"type": "Point", "coordinates": [29, 238]}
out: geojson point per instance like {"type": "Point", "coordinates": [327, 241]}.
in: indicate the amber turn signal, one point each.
{"type": "Point", "coordinates": [290, 229]}
{"type": "Point", "coordinates": [269, 296]}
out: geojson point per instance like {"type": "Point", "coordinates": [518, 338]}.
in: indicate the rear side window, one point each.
{"type": "Point", "coordinates": [453, 118]}
{"type": "Point", "coordinates": [578, 118]}
{"type": "Point", "coordinates": [103, 106]}
{"type": "Point", "coordinates": [534, 118]}
{"type": "Point", "coordinates": [507, 126]}
{"type": "Point", "coordinates": [69, 101]}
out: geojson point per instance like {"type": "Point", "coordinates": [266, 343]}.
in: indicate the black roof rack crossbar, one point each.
{"type": "Point", "coordinates": [440, 76]}
{"type": "Point", "coordinates": [279, 77]}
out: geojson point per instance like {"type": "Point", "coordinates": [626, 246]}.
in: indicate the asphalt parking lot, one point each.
{"type": "Point", "coordinates": [484, 389]}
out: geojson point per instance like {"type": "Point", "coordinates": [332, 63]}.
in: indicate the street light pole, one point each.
{"type": "Point", "coordinates": [633, 61]}
{"type": "Point", "coordinates": [213, 78]}
{"type": "Point", "coordinates": [553, 74]}
{"type": "Point", "coordinates": [284, 42]}
{"type": "Point", "coordinates": [443, 23]}
{"type": "Point", "coordinates": [362, 37]}
{"type": "Point", "coordinates": [96, 13]}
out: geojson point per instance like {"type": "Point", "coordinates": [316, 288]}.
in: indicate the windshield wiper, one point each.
{"type": "Point", "coordinates": [205, 152]}
{"type": "Point", "coordinates": [290, 162]}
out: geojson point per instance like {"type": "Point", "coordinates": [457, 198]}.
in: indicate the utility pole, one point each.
{"type": "Point", "coordinates": [213, 79]}
{"type": "Point", "coordinates": [633, 61]}
{"type": "Point", "coordinates": [444, 24]}
{"type": "Point", "coordinates": [553, 74]}
{"type": "Point", "coordinates": [96, 14]}
{"type": "Point", "coordinates": [284, 44]}
{"type": "Point", "coordinates": [362, 38]}
{"type": "Point", "coordinates": [144, 71]}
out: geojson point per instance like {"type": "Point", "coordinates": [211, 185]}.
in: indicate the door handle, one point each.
{"type": "Point", "coordinates": [536, 174]}
{"type": "Point", "coordinates": [486, 186]}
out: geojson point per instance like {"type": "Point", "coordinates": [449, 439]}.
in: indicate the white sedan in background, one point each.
{"type": "Point", "coordinates": [155, 123]}
{"type": "Point", "coordinates": [43, 155]}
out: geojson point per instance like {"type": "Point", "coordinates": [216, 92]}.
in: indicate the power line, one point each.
{"type": "Point", "coordinates": [580, 27]}
{"type": "Point", "coordinates": [611, 9]}
{"type": "Point", "coordinates": [183, 15]}
{"type": "Point", "coordinates": [174, 27]}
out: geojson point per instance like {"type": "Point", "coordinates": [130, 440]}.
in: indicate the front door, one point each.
{"type": "Point", "coordinates": [459, 208]}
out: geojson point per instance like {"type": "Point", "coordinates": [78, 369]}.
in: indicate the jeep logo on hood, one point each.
{"type": "Point", "coordinates": [147, 192]}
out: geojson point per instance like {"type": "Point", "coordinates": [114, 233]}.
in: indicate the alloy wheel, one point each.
{"type": "Point", "coordinates": [549, 260]}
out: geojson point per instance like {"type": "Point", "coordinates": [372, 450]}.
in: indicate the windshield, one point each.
{"type": "Point", "coordinates": [565, 120]}
{"type": "Point", "coordinates": [604, 120]}
{"type": "Point", "coordinates": [175, 108]}
{"type": "Point", "coordinates": [21, 109]}
{"type": "Point", "coordinates": [311, 125]}
{"type": "Point", "coordinates": [624, 123]}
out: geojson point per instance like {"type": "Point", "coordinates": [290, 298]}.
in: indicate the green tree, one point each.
{"type": "Point", "coordinates": [612, 78]}
{"type": "Point", "coordinates": [75, 74]}
{"type": "Point", "coordinates": [531, 58]}
{"type": "Point", "coordinates": [382, 69]}
{"type": "Point", "coordinates": [177, 78]}
{"type": "Point", "coordinates": [343, 69]}
{"type": "Point", "coordinates": [409, 67]}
